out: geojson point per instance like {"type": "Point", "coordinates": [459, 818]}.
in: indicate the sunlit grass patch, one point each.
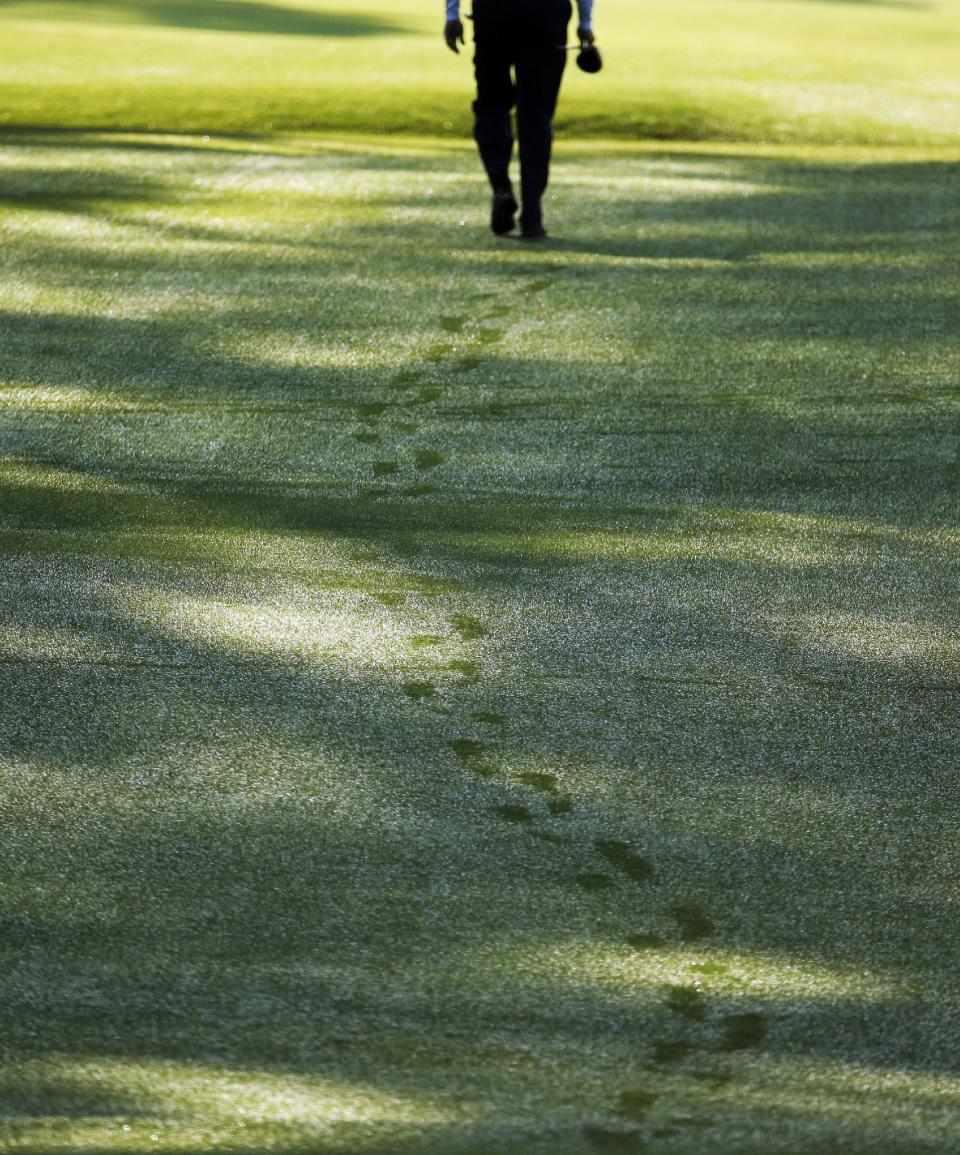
{"type": "Point", "coordinates": [736, 69]}
{"type": "Point", "coordinates": [903, 643]}
{"type": "Point", "coordinates": [651, 970]}
{"type": "Point", "coordinates": [177, 1108]}
{"type": "Point", "coordinates": [68, 1104]}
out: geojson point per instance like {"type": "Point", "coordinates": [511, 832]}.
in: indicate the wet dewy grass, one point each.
{"type": "Point", "coordinates": [378, 816]}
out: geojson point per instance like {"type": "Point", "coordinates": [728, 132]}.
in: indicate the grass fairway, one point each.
{"type": "Point", "coordinates": [465, 698]}
{"type": "Point", "coordinates": [857, 71]}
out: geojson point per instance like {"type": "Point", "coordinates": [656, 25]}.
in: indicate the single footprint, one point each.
{"type": "Point", "coordinates": [385, 468]}
{"type": "Point", "coordinates": [561, 804]}
{"type": "Point", "coordinates": [715, 1079]}
{"type": "Point", "coordinates": [682, 1124]}
{"type": "Point", "coordinates": [407, 379]}
{"type": "Point", "coordinates": [620, 855]}
{"type": "Point", "coordinates": [418, 690]}
{"type": "Point", "coordinates": [467, 626]}
{"type": "Point", "coordinates": [406, 546]}
{"type": "Point", "coordinates": [614, 1142]}
{"type": "Point", "coordinates": [488, 718]}
{"type": "Point", "coordinates": [743, 1030]}
{"type": "Point", "coordinates": [425, 396]}
{"type": "Point", "coordinates": [536, 286]}
{"type": "Point", "coordinates": [693, 922]}
{"type": "Point", "coordinates": [594, 881]}
{"type": "Point", "coordinates": [428, 459]}
{"type": "Point", "coordinates": [513, 812]}
{"type": "Point", "coordinates": [471, 755]}
{"type": "Point", "coordinates": [486, 336]}
{"type": "Point", "coordinates": [545, 783]}
{"type": "Point", "coordinates": [422, 641]}
{"type": "Point", "coordinates": [710, 968]}
{"type": "Point", "coordinates": [468, 671]}
{"type": "Point", "coordinates": [642, 942]}
{"type": "Point", "coordinates": [453, 324]}
{"type": "Point", "coordinates": [553, 839]}
{"type": "Point", "coordinates": [667, 1051]}
{"type": "Point", "coordinates": [468, 748]}
{"type": "Point", "coordinates": [493, 409]}
{"type": "Point", "coordinates": [371, 410]}
{"type": "Point", "coordinates": [420, 490]}
{"type": "Point", "coordinates": [406, 428]}
{"type": "Point", "coordinates": [390, 597]}
{"type": "Point", "coordinates": [687, 1002]}
{"type": "Point", "coordinates": [366, 438]}
{"type": "Point", "coordinates": [636, 1105]}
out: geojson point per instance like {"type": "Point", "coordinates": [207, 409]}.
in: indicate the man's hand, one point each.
{"type": "Point", "coordinates": [453, 34]}
{"type": "Point", "coordinates": [586, 37]}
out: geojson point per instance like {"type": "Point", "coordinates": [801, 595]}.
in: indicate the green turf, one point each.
{"type": "Point", "coordinates": [778, 70]}
{"type": "Point", "coordinates": [459, 697]}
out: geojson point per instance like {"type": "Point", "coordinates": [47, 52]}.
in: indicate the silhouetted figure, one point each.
{"type": "Point", "coordinates": [520, 55]}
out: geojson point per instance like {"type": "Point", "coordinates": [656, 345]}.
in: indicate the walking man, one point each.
{"type": "Point", "coordinates": [520, 55]}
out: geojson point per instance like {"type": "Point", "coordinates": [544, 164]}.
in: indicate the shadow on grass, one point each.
{"type": "Point", "coordinates": [297, 865]}
{"type": "Point", "coordinates": [67, 1097]}
{"type": "Point", "coordinates": [690, 438]}
{"type": "Point", "coordinates": [74, 191]}
{"type": "Point", "coordinates": [213, 15]}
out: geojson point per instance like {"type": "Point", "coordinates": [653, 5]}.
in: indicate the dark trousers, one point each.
{"type": "Point", "coordinates": [522, 39]}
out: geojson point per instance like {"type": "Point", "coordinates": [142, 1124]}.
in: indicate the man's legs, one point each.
{"type": "Point", "coordinates": [540, 63]}
{"type": "Point", "coordinates": [494, 36]}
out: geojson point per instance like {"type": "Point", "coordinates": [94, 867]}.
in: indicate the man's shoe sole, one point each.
{"type": "Point", "coordinates": [502, 218]}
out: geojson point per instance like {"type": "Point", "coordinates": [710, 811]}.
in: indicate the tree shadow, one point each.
{"type": "Point", "coordinates": [57, 190]}
{"type": "Point", "coordinates": [376, 858]}
{"type": "Point", "coordinates": [794, 207]}
{"type": "Point", "coordinates": [220, 16]}
{"type": "Point", "coordinates": [234, 896]}
{"type": "Point", "coordinates": [69, 1097]}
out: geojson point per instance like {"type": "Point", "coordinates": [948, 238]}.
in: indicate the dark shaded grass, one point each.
{"type": "Point", "coordinates": [220, 16]}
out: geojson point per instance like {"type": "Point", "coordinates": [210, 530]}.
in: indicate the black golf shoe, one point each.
{"type": "Point", "coordinates": [503, 212]}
